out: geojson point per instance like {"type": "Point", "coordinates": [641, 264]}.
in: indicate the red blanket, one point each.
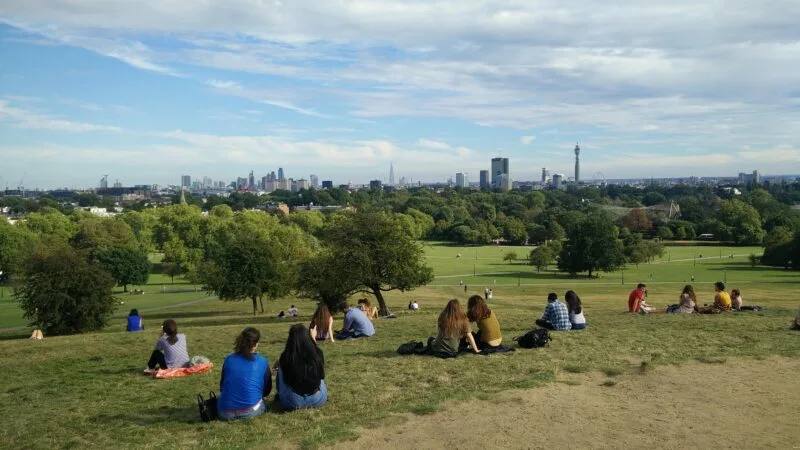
{"type": "Point", "coordinates": [179, 372]}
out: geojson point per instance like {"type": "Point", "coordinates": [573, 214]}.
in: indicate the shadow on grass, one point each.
{"type": "Point", "coordinates": [153, 416]}
{"type": "Point", "coordinates": [193, 314]}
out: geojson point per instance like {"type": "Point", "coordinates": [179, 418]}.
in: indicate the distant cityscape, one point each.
{"type": "Point", "coordinates": [496, 177]}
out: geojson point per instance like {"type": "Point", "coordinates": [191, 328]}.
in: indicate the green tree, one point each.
{"type": "Point", "coordinates": [741, 223]}
{"type": "Point", "coordinates": [637, 220]}
{"type": "Point", "coordinates": [540, 257]}
{"type": "Point", "coordinates": [125, 265]}
{"type": "Point", "coordinates": [63, 294]}
{"type": "Point", "coordinates": [97, 234]}
{"type": "Point", "coordinates": [50, 223]}
{"type": "Point", "coordinates": [15, 244]}
{"type": "Point", "coordinates": [371, 249]}
{"type": "Point", "coordinates": [510, 256]}
{"type": "Point", "coordinates": [592, 245]}
{"type": "Point", "coordinates": [514, 232]}
{"type": "Point", "coordinates": [257, 257]}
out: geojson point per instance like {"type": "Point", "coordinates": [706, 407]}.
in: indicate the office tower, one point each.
{"type": "Point", "coordinates": [302, 184]}
{"type": "Point", "coordinates": [264, 181]}
{"type": "Point", "coordinates": [402, 182]}
{"type": "Point", "coordinates": [558, 179]}
{"type": "Point", "coordinates": [391, 174]}
{"type": "Point", "coordinates": [375, 184]}
{"type": "Point", "coordinates": [757, 176]}
{"type": "Point", "coordinates": [280, 174]}
{"type": "Point", "coordinates": [577, 164]}
{"type": "Point", "coordinates": [327, 184]}
{"type": "Point", "coordinates": [461, 180]}
{"type": "Point", "coordinates": [251, 182]}
{"type": "Point", "coordinates": [241, 183]}
{"type": "Point", "coordinates": [544, 175]}
{"type": "Point", "coordinates": [484, 179]}
{"type": "Point", "coordinates": [314, 181]}
{"type": "Point", "coordinates": [186, 181]}
{"type": "Point", "coordinates": [500, 168]}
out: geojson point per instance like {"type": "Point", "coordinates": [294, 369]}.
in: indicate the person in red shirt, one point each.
{"type": "Point", "coordinates": [636, 297]}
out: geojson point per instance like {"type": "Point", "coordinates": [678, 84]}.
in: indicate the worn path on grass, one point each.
{"type": "Point", "coordinates": [735, 404]}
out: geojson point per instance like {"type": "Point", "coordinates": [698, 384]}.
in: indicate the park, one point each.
{"type": "Point", "coordinates": [86, 390]}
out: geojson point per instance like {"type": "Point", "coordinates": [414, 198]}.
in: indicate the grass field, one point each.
{"type": "Point", "coordinates": [82, 391]}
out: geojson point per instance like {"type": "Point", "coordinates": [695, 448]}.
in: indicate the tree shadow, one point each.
{"type": "Point", "coordinates": [191, 314]}
{"type": "Point", "coordinates": [152, 416]}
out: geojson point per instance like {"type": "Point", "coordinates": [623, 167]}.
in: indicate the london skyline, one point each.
{"type": "Point", "coordinates": [149, 90]}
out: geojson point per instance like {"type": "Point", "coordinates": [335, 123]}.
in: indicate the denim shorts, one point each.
{"type": "Point", "coordinates": [292, 400]}
{"type": "Point", "coordinates": [242, 414]}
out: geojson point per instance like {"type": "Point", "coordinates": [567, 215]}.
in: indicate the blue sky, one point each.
{"type": "Point", "coordinates": [146, 91]}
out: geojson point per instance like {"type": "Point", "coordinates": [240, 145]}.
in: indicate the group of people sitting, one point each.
{"type": "Point", "coordinates": [560, 317]}
{"type": "Point", "coordinates": [455, 334]}
{"type": "Point", "coordinates": [687, 302]}
{"type": "Point", "coordinates": [246, 378]}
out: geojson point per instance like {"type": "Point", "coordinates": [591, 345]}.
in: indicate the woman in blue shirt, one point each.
{"type": "Point", "coordinates": [134, 321]}
{"type": "Point", "coordinates": [245, 381]}
{"type": "Point", "coordinates": [301, 375]}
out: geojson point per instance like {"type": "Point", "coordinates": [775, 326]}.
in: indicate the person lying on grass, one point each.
{"type": "Point", "coordinates": [575, 310]}
{"type": "Point", "coordinates": [321, 326]}
{"type": "Point", "coordinates": [356, 324]}
{"type": "Point", "coordinates": [453, 326]}
{"type": "Point", "coordinates": [301, 372]}
{"type": "Point", "coordinates": [488, 334]}
{"type": "Point", "coordinates": [555, 315]}
{"type": "Point", "coordinates": [170, 351]}
{"type": "Point", "coordinates": [246, 379]}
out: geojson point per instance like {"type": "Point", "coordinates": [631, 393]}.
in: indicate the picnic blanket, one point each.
{"type": "Point", "coordinates": [179, 371]}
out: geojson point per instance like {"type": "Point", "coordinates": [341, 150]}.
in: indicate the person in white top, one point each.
{"type": "Point", "coordinates": [489, 295]}
{"type": "Point", "coordinates": [294, 312]}
{"type": "Point", "coordinates": [415, 306]}
{"type": "Point", "coordinates": [688, 300]}
{"type": "Point", "coordinates": [575, 309]}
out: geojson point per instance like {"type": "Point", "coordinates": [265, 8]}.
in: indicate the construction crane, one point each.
{"type": "Point", "coordinates": [21, 186]}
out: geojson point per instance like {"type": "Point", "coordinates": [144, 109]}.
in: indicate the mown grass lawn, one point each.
{"type": "Point", "coordinates": [86, 390]}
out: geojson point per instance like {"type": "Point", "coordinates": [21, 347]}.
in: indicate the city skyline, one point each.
{"type": "Point", "coordinates": [147, 90]}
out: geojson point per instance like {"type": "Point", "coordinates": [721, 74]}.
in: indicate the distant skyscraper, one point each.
{"type": "Point", "coordinates": [327, 184]}
{"type": "Point", "coordinates": [186, 181]}
{"type": "Point", "coordinates": [484, 179]}
{"type": "Point", "coordinates": [314, 181]}
{"type": "Point", "coordinates": [375, 184]}
{"type": "Point", "coordinates": [544, 175]}
{"type": "Point", "coordinates": [241, 183]}
{"type": "Point", "coordinates": [251, 182]}
{"type": "Point", "coordinates": [558, 179]}
{"type": "Point", "coordinates": [391, 174]}
{"type": "Point", "coordinates": [577, 163]}
{"type": "Point", "coordinates": [500, 168]}
{"type": "Point", "coordinates": [461, 180]}
{"type": "Point", "coordinates": [302, 184]}
{"type": "Point", "coordinates": [280, 174]}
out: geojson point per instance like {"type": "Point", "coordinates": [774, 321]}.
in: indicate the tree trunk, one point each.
{"type": "Point", "coordinates": [261, 300]}
{"type": "Point", "coordinates": [124, 288]}
{"type": "Point", "coordinates": [382, 309]}
{"type": "Point", "coordinates": [255, 305]}
{"type": "Point", "coordinates": [590, 273]}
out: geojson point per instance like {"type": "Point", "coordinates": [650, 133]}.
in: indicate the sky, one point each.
{"type": "Point", "coordinates": [149, 90]}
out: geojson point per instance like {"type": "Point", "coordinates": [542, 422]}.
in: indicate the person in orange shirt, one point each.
{"type": "Point", "coordinates": [636, 298]}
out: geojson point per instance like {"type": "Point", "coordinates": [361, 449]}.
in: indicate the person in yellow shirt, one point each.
{"type": "Point", "coordinates": [721, 299]}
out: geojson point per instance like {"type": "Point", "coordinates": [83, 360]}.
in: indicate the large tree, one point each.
{"type": "Point", "coordinates": [62, 293]}
{"type": "Point", "coordinates": [592, 244]}
{"type": "Point", "coordinates": [372, 251]}
{"type": "Point", "coordinates": [740, 222]}
{"type": "Point", "coordinates": [125, 265]}
{"type": "Point", "coordinates": [255, 257]}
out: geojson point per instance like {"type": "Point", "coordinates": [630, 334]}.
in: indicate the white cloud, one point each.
{"type": "Point", "coordinates": [436, 145]}
{"type": "Point", "coordinates": [527, 139]}
{"type": "Point", "coordinates": [26, 118]}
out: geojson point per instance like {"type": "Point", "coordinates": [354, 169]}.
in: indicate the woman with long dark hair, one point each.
{"type": "Point", "coordinates": [321, 326]}
{"type": "Point", "coordinates": [575, 310]}
{"type": "Point", "coordinates": [170, 351]}
{"type": "Point", "coordinates": [488, 334]}
{"type": "Point", "coordinates": [453, 326]}
{"type": "Point", "coordinates": [245, 380]}
{"type": "Point", "coordinates": [301, 371]}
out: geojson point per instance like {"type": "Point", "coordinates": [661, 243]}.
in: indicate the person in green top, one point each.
{"type": "Point", "coordinates": [453, 326]}
{"type": "Point", "coordinates": [488, 334]}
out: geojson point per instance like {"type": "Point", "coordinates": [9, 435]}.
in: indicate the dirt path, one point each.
{"type": "Point", "coordinates": [737, 404]}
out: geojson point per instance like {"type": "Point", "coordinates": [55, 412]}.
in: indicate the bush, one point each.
{"type": "Point", "coordinates": [63, 294]}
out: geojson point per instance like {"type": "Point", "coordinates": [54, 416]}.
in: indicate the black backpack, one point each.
{"type": "Point", "coordinates": [533, 339]}
{"type": "Point", "coordinates": [208, 408]}
{"type": "Point", "coordinates": [412, 348]}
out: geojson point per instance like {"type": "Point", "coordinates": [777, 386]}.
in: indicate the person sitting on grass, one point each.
{"type": "Point", "coordinates": [322, 324]}
{"type": "Point", "coordinates": [736, 299]}
{"type": "Point", "coordinates": [415, 306]}
{"type": "Point", "coordinates": [688, 300]}
{"type": "Point", "coordinates": [246, 379]}
{"type": "Point", "coordinates": [488, 335]}
{"type": "Point", "coordinates": [636, 298]}
{"type": "Point", "coordinates": [555, 315]}
{"type": "Point", "coordinates": [301, 371]}
{"type": "Point", "coordinates": [170, 351]}
{"type": "Point", "coordinates": [453, 326]}
{"type": "Point", "coordinates": [575, 310]}
{"type": "Point", "coordinates": [369, 310]}
{"type": "Point", "coordinates": [293, 311]}
{"type": "Point", "coordinates": [356, 324]}
{"type": "Point", "coordinates": [134, 321]}
{"type": "Point", "coordinates": [722, 301]}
